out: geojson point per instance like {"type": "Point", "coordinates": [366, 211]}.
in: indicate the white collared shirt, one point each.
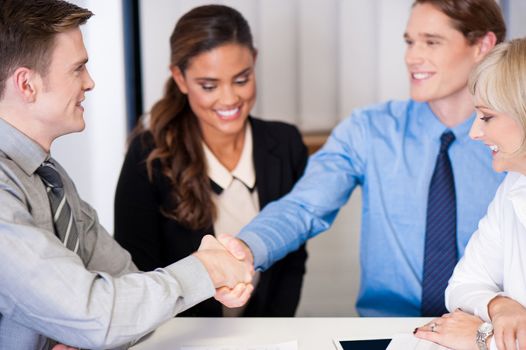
{"type": "Point", "coordinates": [238, 203]}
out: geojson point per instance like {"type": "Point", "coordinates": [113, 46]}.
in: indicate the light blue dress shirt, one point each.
{"type": "Point", "coordinates": [390, 150]}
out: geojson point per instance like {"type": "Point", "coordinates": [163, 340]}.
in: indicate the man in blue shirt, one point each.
{"type": "Point", "coordinates": [390, 150]}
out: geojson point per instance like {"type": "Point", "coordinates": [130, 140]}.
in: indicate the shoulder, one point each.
{"type": "Point", "coordinates": [276, 128]}
{"type": "Point", "coordinates": [513, 183]}
{"type": "Point", "coordinates": [379, 119]}
{"type": "Point", "coordinates": [140, 145]}
{"type": "Point", "coordinates": [12, 177]}
{"type": "Point", "coordinates": [392, 109]}
{"type": "Point", "coordinates": [280, 139]}
{"type": "Point", "coordinates": [275, 132]}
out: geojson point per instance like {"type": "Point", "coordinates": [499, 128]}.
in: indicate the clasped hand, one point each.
{"type": "Point", "coordinates": [229, 264]}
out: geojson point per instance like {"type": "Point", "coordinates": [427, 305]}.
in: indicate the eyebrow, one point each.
{"type": "Point", "coordinates": [80, 62]}
{"type": "Point", "coordinates": [426, 35]}
{"type": "Point", "coordinates": [243, 72]}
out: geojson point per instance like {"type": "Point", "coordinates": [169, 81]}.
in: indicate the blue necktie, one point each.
{"type": "Point", "coordinates": [440, 255]}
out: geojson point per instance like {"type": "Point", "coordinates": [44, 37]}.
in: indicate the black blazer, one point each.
{"type": "Point", "coordinates": [156, 241]}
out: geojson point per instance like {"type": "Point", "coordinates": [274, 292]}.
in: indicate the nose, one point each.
{"type": "Point", "coordinates": [476, 132]}
{"type": "Point", "coordinates": [229, 96]}
{"type": "Point", "coordinates": [414, 54]}
{"type": "Point", "coordinates": [89, 83]}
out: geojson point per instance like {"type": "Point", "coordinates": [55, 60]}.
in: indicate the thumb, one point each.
{"type": "Point", "coordinates": [233, 245]}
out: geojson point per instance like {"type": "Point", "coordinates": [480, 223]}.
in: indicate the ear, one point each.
{"type": "Point", "coordinates": [485, 45]}
{"type": "Point", "coordinates": [26, 83]}
{"type": "Point", "coordinates": [255, 55]}
{"type": "Point", "coordinates": [179, 78]}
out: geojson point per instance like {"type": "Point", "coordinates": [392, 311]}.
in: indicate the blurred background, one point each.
{"type": "Point", "coordinates": [317, 61]}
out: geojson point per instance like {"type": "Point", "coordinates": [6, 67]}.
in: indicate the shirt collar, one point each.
{"type": "Point", "coordinates": [244, 170]}
{"type": "Point", "coordinates": [517, 194]}
{"type": "Point", "coordinates": [434, 126]}
{"type": "Point", "coordinates": [25, 152]}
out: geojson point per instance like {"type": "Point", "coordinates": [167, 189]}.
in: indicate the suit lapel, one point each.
{"type": "Point", "coordinates": [266, 162]}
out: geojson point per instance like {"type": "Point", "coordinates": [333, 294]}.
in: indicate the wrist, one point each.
{"type": "Point", "coordinates": [484, 334]}
{"type": "Point", "coordinates": [495, 305]}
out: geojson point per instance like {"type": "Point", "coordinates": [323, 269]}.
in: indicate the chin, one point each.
{"type": "Point", "coordinates": [419, 97]}
{"type": "Point", "coordinates": [499, 168]}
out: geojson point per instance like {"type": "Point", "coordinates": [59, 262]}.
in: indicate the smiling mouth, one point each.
{"type": "Point", "coordinates": [228, 114]}
{"type": "Point", "coordinates": [421, 76]}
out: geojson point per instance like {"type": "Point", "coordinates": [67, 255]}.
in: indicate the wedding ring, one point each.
{"type": "Point", "coordinates": [433, 327]}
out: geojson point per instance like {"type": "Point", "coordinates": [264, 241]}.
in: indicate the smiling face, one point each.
{"type": "Point", "coordinates": [221, 89]}
{"type": "Point", "coordinates": [503, 135]}
{"type": "Point", "coordinates": [57, 108]}
{"type": "Point", "coordinates": [438, 57]}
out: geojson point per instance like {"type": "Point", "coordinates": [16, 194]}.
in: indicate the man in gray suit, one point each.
{"type": "Point", "coordinates": [64, 279]}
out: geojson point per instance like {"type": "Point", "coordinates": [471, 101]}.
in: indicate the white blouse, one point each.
{"type": "Point", "coordinates": [494, 262]}
{"type": "Point", "coordinates": [238, 203]}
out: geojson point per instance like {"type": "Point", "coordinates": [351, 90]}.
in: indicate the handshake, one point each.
{"type": "Point", "coordinates": [229, 263]}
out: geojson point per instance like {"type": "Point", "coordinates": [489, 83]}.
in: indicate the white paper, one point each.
{"type": "Point", "coordinates": [291, 345]}
{"type": "Point", "coordinates": [410, 342]}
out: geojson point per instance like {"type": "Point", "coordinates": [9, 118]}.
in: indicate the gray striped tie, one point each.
{"type": "Point", "coordinates": [63, 221]}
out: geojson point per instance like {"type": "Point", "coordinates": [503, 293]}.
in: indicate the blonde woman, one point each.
{"type": "Point", "coordinates": [488, 287]}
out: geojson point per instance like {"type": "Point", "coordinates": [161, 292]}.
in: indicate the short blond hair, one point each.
{"type": "Point", "coordinates": [499, 81]}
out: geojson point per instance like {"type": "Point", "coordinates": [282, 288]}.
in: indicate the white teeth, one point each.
{"type": "Point", "coordinates": [228, 113]}
{"type": "Point", "coordinates": [420, 76]}
{"type": "Point", "coordinates": [494, 148]}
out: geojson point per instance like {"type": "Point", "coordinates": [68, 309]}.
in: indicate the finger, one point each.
{"type": "Point", "coordinates": [432, 326]}
{"type": "Point", "coordinates": [207, 242]}
{"type": "Point", "coordinates": [246, 294]}
{"type": "Point", "coordinates": [234, 246]}
{"type": "Point", "coordinates": [232, 297]}
{"type": "Point", "coordinates": [521, 338]}
{"type": "Point", "coordinates": [510, 340]}
{"type": "Point", "coordinates": [428, 335]}
{"type": "Point", "coordinates": [499, 338]}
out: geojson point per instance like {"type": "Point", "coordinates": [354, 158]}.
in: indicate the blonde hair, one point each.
{"type": "Point", "coordinates": [499, 81]}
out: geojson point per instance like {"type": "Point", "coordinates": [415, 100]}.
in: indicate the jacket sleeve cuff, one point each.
{"type": "Point", "coordinates": [258, 249]}
{"type": "Point", "coordinates": [195, 282]}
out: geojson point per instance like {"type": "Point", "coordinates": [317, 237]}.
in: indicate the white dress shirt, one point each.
{"type": "Point", "coordinates": [495, 259]}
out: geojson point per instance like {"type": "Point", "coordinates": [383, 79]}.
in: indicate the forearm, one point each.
{"type": "Point", "coordinates": [94, 310]}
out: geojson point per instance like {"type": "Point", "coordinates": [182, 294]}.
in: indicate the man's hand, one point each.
{"type": "Point", "coordinates": [231, 277]}
{"type": "Point", "coordinates": [509, 323]}
{"type": "Point", "coordinates": [223, 268]}
{"type": "Point", "coordinates": [63, 347]}
{"type": "Point", "coordinates": [237, 248]}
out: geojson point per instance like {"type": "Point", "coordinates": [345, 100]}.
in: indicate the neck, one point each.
{"type": "Point", "coordinates": [453, 110]}
{"type": "Point", "coordinates": [227, 148]}
{"type": "Point", "coordinates": [25, 125]}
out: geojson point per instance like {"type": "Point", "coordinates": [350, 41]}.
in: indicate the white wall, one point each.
{"type": "Point", "coordinates": [317, 60]}
{"type": "Point", "coordinates": [93, 158]}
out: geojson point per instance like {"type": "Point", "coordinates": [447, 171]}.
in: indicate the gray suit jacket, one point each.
{"type": "Point", "coordinates": [95, 299]}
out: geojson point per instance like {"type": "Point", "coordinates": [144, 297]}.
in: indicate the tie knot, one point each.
{"type": "Point", "coordinates": [446, 140]}
{"type": "Point", "coordinates": [49, 175]}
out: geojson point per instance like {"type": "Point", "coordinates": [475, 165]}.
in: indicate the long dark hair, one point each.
{"type": "Point", "coordinates": [176, 133]}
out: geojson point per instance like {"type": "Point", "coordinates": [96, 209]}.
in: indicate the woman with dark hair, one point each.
{"type": "Point", "coordinates": [201, 164]}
